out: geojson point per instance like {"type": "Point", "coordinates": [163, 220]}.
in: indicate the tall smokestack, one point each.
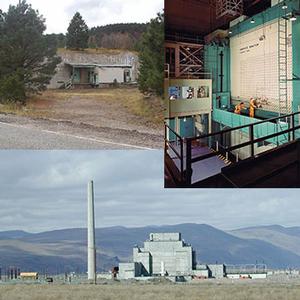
{"type": "Point", "coordinates": [91, 234]}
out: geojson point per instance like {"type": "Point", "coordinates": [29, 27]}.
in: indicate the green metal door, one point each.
{"type": "Point", "coordinates": [187, 127]}
{"type": "Point", "coordinates": [76, 76]}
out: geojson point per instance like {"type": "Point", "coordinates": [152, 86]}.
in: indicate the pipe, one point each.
{"type": "Point", "coordinates": [91, 249]}
{"type": "Point", "coordinates": [221, 71]}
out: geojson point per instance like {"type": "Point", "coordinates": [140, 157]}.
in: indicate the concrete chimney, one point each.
{"type": "Point", "coordinates": [91, 234]}
{"type": "Point", "coordinates": [162, 268]}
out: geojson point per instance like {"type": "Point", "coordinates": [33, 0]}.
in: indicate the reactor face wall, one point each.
{"type": "Point", "coordinates": [254, 65]}
{"type": "Point", "coordinates": [165, 249]}
{"type": "Point", "coordinates": [176, 257]}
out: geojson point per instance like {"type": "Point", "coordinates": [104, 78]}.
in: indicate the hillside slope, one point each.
{"type": "Point", "coordinates": [279, 236]}
{"type": "Point", "coordinates": [65, 250]}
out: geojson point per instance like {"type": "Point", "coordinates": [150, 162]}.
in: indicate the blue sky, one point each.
{"type": "Point", "coordinates": [45, 190]}
{"type": "Point", "coordinates": [95, 12]}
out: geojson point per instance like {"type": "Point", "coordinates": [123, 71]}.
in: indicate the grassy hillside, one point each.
{"type": "Point", "coordinates": [285, 238]}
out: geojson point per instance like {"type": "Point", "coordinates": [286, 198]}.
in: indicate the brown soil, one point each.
{"type": "Point", "coordinates": [120, 108]}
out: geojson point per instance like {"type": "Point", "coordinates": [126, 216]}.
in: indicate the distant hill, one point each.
{"type": "Point", "coordinates": [117, 36]}
{"type": "Point", "coordinates": [65, 250]}
{"type": "Point", "coordinates": [285, 238]}
{"type": "Point", "coordinates": [13, 234]}
{"type": "Point", "coordinates": [114, 36]}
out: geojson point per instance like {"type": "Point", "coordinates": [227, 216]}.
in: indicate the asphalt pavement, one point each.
{"type": "Point", "coordinates": [25, 133]}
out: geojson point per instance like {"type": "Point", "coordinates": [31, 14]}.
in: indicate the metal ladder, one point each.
{"type": "Point", "coordinates": [282, 66]}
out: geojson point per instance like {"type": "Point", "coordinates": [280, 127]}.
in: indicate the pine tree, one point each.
{"type": "Point", "coordinates": [57, 40]}
{"type": "Point", "coordinates": [26, 62]}
{"type": "Point", "coordinates": [78, 33]}
{"type": "Point", "coordinates": [151, 73]}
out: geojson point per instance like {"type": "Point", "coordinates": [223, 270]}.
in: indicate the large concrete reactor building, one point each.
{"type": "Point", "coordinates": [166, 254]}
{"type": "Point", "coordinates": [163, 254]}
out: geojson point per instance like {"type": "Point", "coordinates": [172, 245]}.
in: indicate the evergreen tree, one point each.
{"type": "Point", "coordinates": [117, 36]}
{"type": "Point", "coordinates": [78, 33]}
{"type": "Point", "coordinates": [26, 62]}
{"type": "Point", "coordinates": [151, 73]}
{"type": "Point", "coordinates": [57, 40]}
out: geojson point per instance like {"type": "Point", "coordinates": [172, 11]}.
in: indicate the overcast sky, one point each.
{"type": "Point", "coordinates": [45, 190]}
{"type": "Point", "coordinates": [58, 13]}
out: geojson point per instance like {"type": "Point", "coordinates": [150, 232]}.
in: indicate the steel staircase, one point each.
{"type": "Point", "coordinates": [68, 84]}
{"type": "Point", "coordinates": [222, 157]}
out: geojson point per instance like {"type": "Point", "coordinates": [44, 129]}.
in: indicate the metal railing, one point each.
{"type": "Point", "coordinates": [222, 149]}
{"type": "Point", "coordinates": [172, 145]}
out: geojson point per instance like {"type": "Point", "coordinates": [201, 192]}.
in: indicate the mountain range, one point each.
{"type": "Point", "coordinates": [65, 250]}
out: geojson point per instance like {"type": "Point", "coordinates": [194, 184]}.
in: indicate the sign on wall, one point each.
{"type": "Point", "coordinates": [254, 65]}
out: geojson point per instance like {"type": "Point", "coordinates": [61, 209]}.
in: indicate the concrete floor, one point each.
{"type": "Point", "coordinates": [202, 169]}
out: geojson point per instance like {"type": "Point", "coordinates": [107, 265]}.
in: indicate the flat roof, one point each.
{"type": "Point", "coordinates": [93, 65]}
{"type": "Point", "coordinates": [28, 273]}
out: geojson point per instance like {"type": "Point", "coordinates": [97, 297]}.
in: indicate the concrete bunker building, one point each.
{"type": "Point", "coordinates": [79, 69]}
{"type": "Point", "coordinates": [163, 254]}
{"type": "Point", "coordinates": [167, 254]}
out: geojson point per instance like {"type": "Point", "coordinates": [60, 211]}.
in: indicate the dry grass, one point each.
{"type": "Point", "coordinates": [149, 108]}
{"type": "Point", "coordinates": [90, 105]}
{"type": "Point", "coordinates": [251, 291]}
{"type": "Point", "coordinates": [23, 111]}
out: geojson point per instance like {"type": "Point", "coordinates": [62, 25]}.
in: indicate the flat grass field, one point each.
{"type": "Point", "coordinates": [216, 291]}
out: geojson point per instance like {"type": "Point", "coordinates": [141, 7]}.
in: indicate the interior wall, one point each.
{"type": "Point", "coordinates": [254, 64]}
{"type": "Point", "coordinates": [212, 62]}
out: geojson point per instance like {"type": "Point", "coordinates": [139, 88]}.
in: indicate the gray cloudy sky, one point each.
{"type": "Point", "coordinates": [45, 190]}
{"type": "Point", "coordinates": [58, 13]}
